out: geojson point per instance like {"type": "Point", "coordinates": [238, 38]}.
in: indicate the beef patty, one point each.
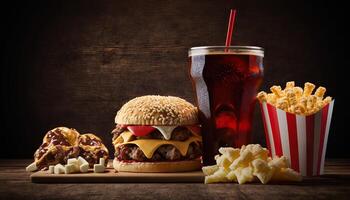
{"type": "Point", "coordinates": [164, 153]}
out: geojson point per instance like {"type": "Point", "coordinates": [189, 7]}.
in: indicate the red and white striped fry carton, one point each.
{"type": "Point", "coordinates": [302, 139]}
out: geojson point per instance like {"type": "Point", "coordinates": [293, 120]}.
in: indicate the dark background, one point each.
{"type": "Point", "coordinates": [74, 63]}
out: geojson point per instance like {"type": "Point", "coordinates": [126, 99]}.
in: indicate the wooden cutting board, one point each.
{"type": "Point", "coordinates": [110, 176]}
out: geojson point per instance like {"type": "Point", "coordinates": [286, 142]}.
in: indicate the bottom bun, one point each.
{"type": "Point", "coordinates": [174, 166]}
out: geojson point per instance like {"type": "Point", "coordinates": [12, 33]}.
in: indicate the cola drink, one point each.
{"type": "Point", "coordinates": [226, 81]}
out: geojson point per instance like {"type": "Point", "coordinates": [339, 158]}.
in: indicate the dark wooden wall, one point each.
{"type": "Point", "coordinates": [74, 63]}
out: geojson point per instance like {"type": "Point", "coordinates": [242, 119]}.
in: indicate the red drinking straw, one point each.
{"type": "Point", "coordinates": [231, 24]}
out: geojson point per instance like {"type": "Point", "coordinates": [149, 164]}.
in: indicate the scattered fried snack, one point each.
{"type": "Point", "coordinates": [295, 99]}
{"type": "Point", "coordinates": [91, 148]}
{"type": "Point", "coordinates": [248, 164]}
{"type": "Point", "coordinates": [59, 144]}
{"type": "Point", "coordinates": [62, 143]}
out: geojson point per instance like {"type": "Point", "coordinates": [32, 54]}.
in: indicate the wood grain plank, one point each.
{"type": "Point", "coordinates": [110, 176]}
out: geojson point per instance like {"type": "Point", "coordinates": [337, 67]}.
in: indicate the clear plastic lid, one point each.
{"type": "Point", "coordinates": [219, 50]}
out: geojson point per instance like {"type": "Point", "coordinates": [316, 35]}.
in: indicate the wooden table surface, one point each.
{"type": "Point", "coordinates": [15, 184]}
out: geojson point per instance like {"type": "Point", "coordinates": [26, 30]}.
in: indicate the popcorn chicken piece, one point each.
{"type": "Point", "coordinates": [262, 96]}
{"type": "Point", "coordinates": [257, 150]}
{"type": "Point", "coordinates": [217, 156]}
{"type": "Point", "coordinates": [231, 176]}
{"type": "Point", "coordinates": [303, 101]}
{"type": "Point", "coordinates": [209, 170]}
{"type": "Point", "coordinates": [262, 154]}
{"type": "Point", "coordinates": [31, 167]}
{"type": "Point", "coordinates": [319, 104]}
{"type": "Point", "coordinates": [249, 162]}
{"type": "Point", "coordinates": [223, 161]}
{"type": "Point", "coordinates": [327, 100]}
{"type": "Point", "coordinates": [242, 161]}
{"type": "Point", "coordinates": [262, 170]}
{"type": "Point", "coordinates": [277, 90]}
{"type": "Point", "coordinates": [308, 88]}
{"type": "Point", "coordinates": [218, 176]}
{"type": "Point", "coordinates": [271, 98]}
{"type": "Point", "coordinates": [269, 159]}
{"type": "Point", "coordinates": [282, 103]}
{"type": "Point", "coordinates": [320, 92]}
{"type": "Point", "coordinates": [311, 101]}
{"type": "Point", "coordinates": [290, 84]}
{"type": "Point", "coordinates": [299, 109]}
{"type": "Point", "coordinates": [286, 90]}
{"type": "Point", "coordinates": [311, 106]}
{"type": "Point", "coordinates": [230, 153]}
{"type": "Point", "coordinates": [279, 162]}
{"type": "Point", "coordinates": [228, 150]}
{"type": "Point", "coordinates": [286, 174]}
{"type": "Point", "coordinates": [244, 174]}
{"type": "Point", "coordinates": [298, 91]}
{"type": "Point", "coordinates": [291, 109]}
{"type": "Point", "coordinates": [291, 97]}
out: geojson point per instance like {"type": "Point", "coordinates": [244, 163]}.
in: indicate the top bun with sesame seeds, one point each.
{"type": "Point", "coordinates": [157, 110]}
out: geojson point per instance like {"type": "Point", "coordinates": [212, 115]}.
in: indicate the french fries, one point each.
{"type": "Point", "coordinates": [248, 164]}
{"type": "Point", "coordinates": [296, 100]}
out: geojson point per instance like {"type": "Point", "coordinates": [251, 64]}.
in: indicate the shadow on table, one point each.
{"type": "Point", "coordinates": [329, 179]}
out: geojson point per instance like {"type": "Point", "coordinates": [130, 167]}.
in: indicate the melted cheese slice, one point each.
{"type": "Point", "coordinates": [165, 131]}
{"type": "Point", "coordinates": [124, 137]}
{"type": "Point", "coordinates": [90, 148]}
{"type": "Point", "coordinates": [94, 148]}
{"type": "Point", "coordinates": [149, 146]}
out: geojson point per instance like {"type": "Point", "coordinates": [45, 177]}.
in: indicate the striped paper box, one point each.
{"type": "Point", "coordinates": [302, 139]}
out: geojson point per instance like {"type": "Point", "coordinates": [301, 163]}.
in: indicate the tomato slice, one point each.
{"type": "Point", "coordinates": [194, 129]}
{"type": "Point", "coordinates": [124, 126]}
{"type": "Point", "coordinates": [140, 130]}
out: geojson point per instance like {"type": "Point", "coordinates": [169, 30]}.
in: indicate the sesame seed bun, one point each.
{"type": "Point", "coordinates": [176, 166]}
{"type": "Point", "coordinates": [157, 110]}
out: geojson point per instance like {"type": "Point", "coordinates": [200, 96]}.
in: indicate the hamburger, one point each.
{"type": "Point", "coordinates": [157, 134]}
